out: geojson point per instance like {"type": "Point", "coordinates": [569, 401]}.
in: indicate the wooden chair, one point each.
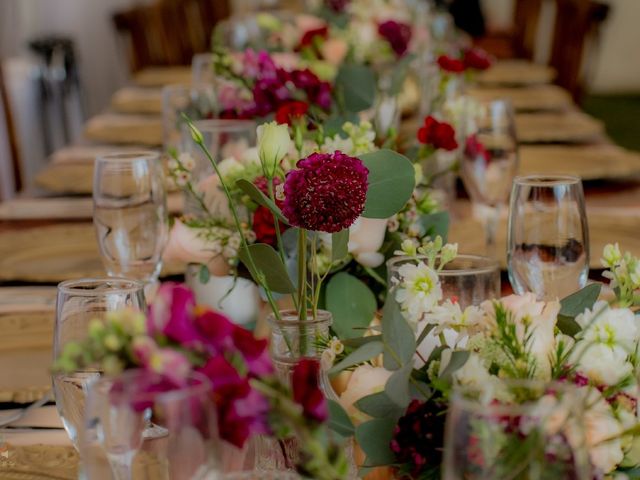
{"type": "Point", "coordinates": [169, 32]}
{"type": "Point", "coordinates": [14, 149]}
{"type": "Point", "coordinates": [525, 20]}
{"type": "Point", "coordinates": [574, 40]}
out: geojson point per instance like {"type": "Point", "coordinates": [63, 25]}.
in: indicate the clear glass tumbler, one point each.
{"type": "Point", "coordinates": [548, 236]}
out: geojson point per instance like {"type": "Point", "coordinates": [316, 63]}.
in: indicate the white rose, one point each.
{"type": "Point", "coordinates": [230, 166]}
{"type": "Point", "coordinates": [365, 380]}
{"type": "Point", "coordinates": [273, 144]}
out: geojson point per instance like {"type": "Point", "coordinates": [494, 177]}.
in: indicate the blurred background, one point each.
{"type": "Point", "coordinates": [61, 60]}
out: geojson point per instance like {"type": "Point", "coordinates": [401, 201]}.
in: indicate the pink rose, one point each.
{"type": "Point", "coordinates": [334, 50]}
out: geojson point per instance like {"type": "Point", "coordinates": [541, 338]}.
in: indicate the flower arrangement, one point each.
{"type": "Point", "coordinates": [401, 377]}
{"type": "Point", "coordinates": [177, 337]}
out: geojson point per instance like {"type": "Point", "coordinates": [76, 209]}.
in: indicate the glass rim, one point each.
{"type": "Point", "coordinates": [546, 180]}
{"type": "Point", "coordinates": [226, 124]}
{"type": "Point", "coordinates": [490, 264]}
{"type": "Point", "coordinates": [203, 386]}
{"type": "Point", "coordinates": [251, 474]}
{"type": "Point", "coordinates": [74, 287]}
{"type": "Point", "coordinates": [477, 407]}
{"type": "Point", "coordinates": [290, 317]}
{"type": "Point", "coordinates": [129, 157]}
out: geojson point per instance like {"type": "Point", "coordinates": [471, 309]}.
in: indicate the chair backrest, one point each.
{"type": "Point", "coordinates": [14, 150]}
{"type": "Point", "coordinates": [577, 23]}
{"type": "Point", "coordinates": [169, 32]}
{"type": "Point", "coordinates": [525, 21]}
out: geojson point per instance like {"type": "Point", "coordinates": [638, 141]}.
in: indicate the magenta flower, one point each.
{"type": "Point", "coordinates": [171, 314]}
{"type": "Point", "coordinates": [397, 34]}
{"type": "Point", "coordinates": [326, 192]}
{"type": "Point", "coordinates": [306, 389]}
{"type": "Point", "coordinates": [254, 351]}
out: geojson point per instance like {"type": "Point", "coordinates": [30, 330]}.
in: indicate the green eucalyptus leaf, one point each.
{"type": "Point", "coordinates": [578, 302]}
{"type": "Point", "coordinates": [351, 303]}
{"type": "Point", "coordinates": [333, 125]}
{"type": "Point", "coordinates": [425, 331]}
{"type": "Point", "coordinates": [400, 72]}
{"type": "Point", "coordinates": [355, 85]}
{"type": "Point", "coordinates": [391, 183]}
{"type": "Point", "coordinates": [363, 354]}
{"type": "Point", "coordinates": [357, 342]}
{"type": "Point", "coordinates": [397, 387]}
{"type": "Point", "coordinates": [203, 274]}
{"type": "Point", "coordinates": [435, 224]}
{"type": "Point", "coordinates": [568, 325]}
{"type": "Point", "coordinates": [268, 266]}
{"type": "Point", "coordinates": [374, 437]}
{"type": "Point", "coordinates": [379, 405]}
{"type": "Point", "coordinates": [339, 245]}
{"type": "Point", "coordinates": [339, 420]}
{"type": "Point", "coordinates": [260, 198]}
{"type": "Point", "coordinates": [458, 359]}
{"type": "Point", "coordinates": [398, 336]}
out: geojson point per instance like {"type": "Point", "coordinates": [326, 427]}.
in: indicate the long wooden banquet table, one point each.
{"type": "Point", "coordinates": [46, 234]}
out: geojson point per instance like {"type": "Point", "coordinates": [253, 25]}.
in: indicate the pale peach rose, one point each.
{"type": "Point", "coordinates": [366, 237]}
{"type": "Point", "coordinates": [286, 60]}
{"type": "Point", "coordinates": [186, 245]}
{"type": "Point", "coordinates": [214, 197]}
{"type": "Point", "coordinates": [334, 50]}
{"type": "Point", "coordinates": [365, 380]}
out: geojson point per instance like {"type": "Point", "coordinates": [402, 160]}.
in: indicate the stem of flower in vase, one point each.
{"type": "Point", "coordinates": [302, 286]}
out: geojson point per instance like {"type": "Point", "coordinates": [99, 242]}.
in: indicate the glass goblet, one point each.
{"type": "Point", "coordinates": [130, 214]}
{"type": "Point", "coordinates": [548, 236]}
{"type": "Point", "coordinates": [78, 303]}
{"type": "Point", "coordinates": [489, 161]}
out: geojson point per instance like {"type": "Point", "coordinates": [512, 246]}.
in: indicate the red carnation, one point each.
{"type": "Point", "coordinates": [309, 36]}
{"type": "Point", "coordinates": [291, 111]}
{"type": "Point", "coordinates": [326, 192]}
{"type": "Point", "coordinates": [337, 6]}
{"type": "Point", "coordinates": [476, 58]}
{"type": "Point", "coordinates": [306, 389]}
{"type": "Point", "coordinates": [450, 64]}
{"type": "Point", "coordinates": [474, 148]}
{"type": "Point", "coordinates": [397, 34]}
{"type": "Point", "coordinates": [263, 223]}
{"type": "Point", "coordinates": [437, 134]}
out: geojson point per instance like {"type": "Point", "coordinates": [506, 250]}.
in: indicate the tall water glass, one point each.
{"type": "Point", "coordinates": [489, 161]}
{"type": "Point", "coordinates": [130, 214]}
{"type": "Point", "coordinates": [548, 238]}
{"type": "Point", "coordinates": [533, 431]}
{"type": "Point", "coordinates": [79, 302]}
{"type": "Point", "coordinates": [468, 279]}
{"type": "Point", "coordinates": [114, 445]}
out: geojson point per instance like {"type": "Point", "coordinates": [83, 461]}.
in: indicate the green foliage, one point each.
{"type": "Point", "coordinates": [400, 71]}
{"type": "Point", "coordinates": [399, 339]}
{"type": "Point", "coordinates": [391, 183]}
{"type": "Point", "coordinates": [355, 87]}
{"type": "Point", "coordinates": [574, 305]}
{"type": "Point", "coordinates": [397, 387]}
{"type": "Point", "coordinates": [373, 437]}
{"type": "Point", "coordinates": [436, 224]}
{"type": "Point", "coordinates": [339, 245]}
{"type": "Point", "coordinates": [363, 354]}
{"type": "Point", "coordinates": [521, 363]}
{"type": "Point", "coordinates": [339, 421]}
{"type": "Point", "coordinates": [351, 303]}
{"type": "Point", "coordinates": [457, 361]}
{"type": "Point", "coordinates": [260, 198]}
{"type": "Point", "coordinates": [203, 274]}
{"type": "Point", "coordinates": [269, 269]}
{"type": "Point", "coordinates": [379, 405]}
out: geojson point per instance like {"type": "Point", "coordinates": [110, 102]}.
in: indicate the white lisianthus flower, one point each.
{"type": "Point", "coordinates": [611, 326]}
{"type": "Point", "coordinates": [603, 364]}
{"type": "Point", "coordinates": [230, 167]}
{"type": "Point", "coordinates": [419, 290]}
{"type": "Point", "coordinates": [450, 315]}
{"type": "Point", "coordinates": [473, 375]}
{"type": "Point", "coordinates": [273, 144]}
{"type": "Point", "coordinates": [366, 237]}
{"type": "Point", "coordinates": [364, 381]}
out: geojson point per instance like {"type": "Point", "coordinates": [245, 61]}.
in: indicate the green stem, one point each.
{"type": "Point", "coordinates": [302, 274]}
{"type": "Point", "coordinates": [276, 221]}
{"type": "Point", "coordinates": [375, 276]}
{"type": "Point", "coordinates": [236, 218]}
{"type": "Point", "coordinates": [199, 199]}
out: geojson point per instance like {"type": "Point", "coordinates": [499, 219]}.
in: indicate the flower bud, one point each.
{"type": "Point", "coordinates": [273, 145]}
{"type": "Point", "coordinates": [611, 255]}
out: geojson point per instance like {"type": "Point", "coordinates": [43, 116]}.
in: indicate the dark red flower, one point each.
{"type": "Point", "coordinates": [326, 192]}
{"type": "Point", "coordinates": [397, 34]}
{"type": "Point", "coordinates": [254, 351]}
{"type": "Point", "coordinates": [291, 111]}
{"type": "Point", "coordinates": [337, 6]}
{"type": "Point", "coordinates": [317, 91]}
{"type": "Point", "coordinates": [437, 134]}
{"type": "Point", "coordinates": [309, 36]}
{"type": "Point", "coordinates": [474, 148]}
{"type": "Point", "coordinates": [450, 64]}
{"type": "Point", "coordinates": [305, 383]}
{"type": "Point", "coordinates": [476, 58]}
{"type": "Point", "coordinates": [263, 225]}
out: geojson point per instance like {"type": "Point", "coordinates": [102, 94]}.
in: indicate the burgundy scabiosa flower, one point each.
{"type": "Point", "coordinates": [306, 389]}
{"type": "Point", "coordinates": [326, 192]}
{"type": "Point", "coordinates": [450, 64]}
{"type": "Point", "coordinates": [397, 34]}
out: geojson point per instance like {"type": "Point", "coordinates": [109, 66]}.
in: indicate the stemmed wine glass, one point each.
{"type": "Point", "coordinates": [548, 238]}
{"type": "Point", "coordinates": [489, 161]}
{"type": "Point", "coordinates": [115, 422]}
{"type": "Point", "coordinates": [79, 302]}
{"type": "Point", "coordinates": [130, 214]}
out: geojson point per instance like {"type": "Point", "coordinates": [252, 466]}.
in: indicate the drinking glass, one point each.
{"type": "Point", "coordinates": [114, 446]}
{"type": "Point", "coordinates": [261, 475]}
{"type": "Point", "coordinates": [130, 214]}
{"type": "Point", "coordinates": [489, 161]}
{"type": "Point", "coordinates": [198, 101]}
{"type": "Point", "coordinates": [535, 431]}
{"type": "Point", "coordinates": [548, 238]}
{"type": "Point", "coordinates": [79, 302]}
{"type": "Point", "coordinates": [468, 279]}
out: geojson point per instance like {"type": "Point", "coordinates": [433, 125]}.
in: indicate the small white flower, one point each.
{"type": "Point", "coordinates": [419, 290]}
{"type": "Point", "coordinates": [234, 241]}
{"type": "Point", "coordinates": [448, 253]}
{"type": "Point", "coordinates": [336, 345]}
{"type": "Point", "coordinates": [173, 164]}
{"type": "Point", "coordinates": [408, 247]}
{"type": "Point", "coordinates": [393, 224]}
{"type": "Point", "coordinates": [182, 178]}
{"type": "Point", "coordinates": [611, 255]}
{"type": "Point", "coordinates": [187, 161]}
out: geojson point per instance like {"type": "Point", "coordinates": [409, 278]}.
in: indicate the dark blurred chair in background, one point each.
{"type": "Point", "coordinates": [14, 151]}
{"type": "Point", "coordinates": [169, 32]}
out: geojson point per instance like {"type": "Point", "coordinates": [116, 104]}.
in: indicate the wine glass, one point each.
{"type": "Point", "coordinates": [130, 214]}
{"type": "Point", "coordinates": [489, 161]}
{"type": "Point", "coordinates": [115, 422]}
{"type": "Point", "coordinates": [79, 302]}
{"type": "Point", "coordinates": [539, 434]}
{"type": "Point", "coordinates": [548, 237]}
